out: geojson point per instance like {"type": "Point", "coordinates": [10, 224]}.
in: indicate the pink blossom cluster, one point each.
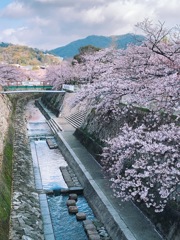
{"type": "Point", "coordinates": [10, 74]}
{"type": "Point", "coordinates": [136, 75]}
{"type": "Point", "coordinates": [63, 73]}
{"type": "Point", "coordinates": [144, 165]}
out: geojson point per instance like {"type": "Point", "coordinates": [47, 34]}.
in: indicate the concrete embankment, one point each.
{"type": "Point", "coordinates": [26, 220]}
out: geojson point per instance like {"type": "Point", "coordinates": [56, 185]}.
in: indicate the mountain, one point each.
{"type": "Point", "coordinates": [121, 41]}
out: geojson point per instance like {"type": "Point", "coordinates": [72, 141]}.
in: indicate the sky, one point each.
{"type": "Point", "coordinates": [48, 24]}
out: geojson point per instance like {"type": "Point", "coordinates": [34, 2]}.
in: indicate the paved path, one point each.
{"type": "Point", "coordinates": [135, 225]}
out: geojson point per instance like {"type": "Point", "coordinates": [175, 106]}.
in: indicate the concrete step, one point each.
{"type": "Point", "coordinates": [76, 119]}
{"type": "Point", "coordinates": [78, 114]}
{"type": "Point", "coordinates": [51, 126]}
{"type": "Point", "coordinates": [54, 125]}
{"type": "Point", "coordinates": [74, 123]}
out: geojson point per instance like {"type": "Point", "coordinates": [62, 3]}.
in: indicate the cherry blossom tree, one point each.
{"type": "Point", "coordinates": [162, 41]}
{"type": "Point", "coordinates": [61, 74]}
{"type": "Point", "coordinates": [142, 157]}
{"type": "Point", "coordinates": [10, 74]}
{"type": "Point", "coordinates": [144, 165]}
{"type": "Point", "coordinates": [144, 161]}
{"type": "Point", "coordinates": [35, 75]}
{"type": "Point", "coordinates": [137, 74]}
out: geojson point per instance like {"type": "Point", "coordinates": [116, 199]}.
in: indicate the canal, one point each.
{"type": "Point", "coordinates": [57, 221]}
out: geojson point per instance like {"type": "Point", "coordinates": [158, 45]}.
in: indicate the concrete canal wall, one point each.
{"type": "Point", "coordinates": [26, 222]}
{"type": "Point", "coordinates": [5, 112]}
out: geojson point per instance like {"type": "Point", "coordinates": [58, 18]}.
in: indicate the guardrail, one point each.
{"type": "Point", "coordinates": [14, 88]}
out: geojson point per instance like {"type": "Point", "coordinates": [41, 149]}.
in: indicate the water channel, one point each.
{"type": "Point", "coordinates": [58, 223]}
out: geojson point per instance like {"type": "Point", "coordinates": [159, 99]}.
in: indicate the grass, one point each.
{"type": "Point", "coordinates": [6, 183]}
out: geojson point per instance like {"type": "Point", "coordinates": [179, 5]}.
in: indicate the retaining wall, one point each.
{"type": "Point", "coordinates": [26, 222]}
{"type": "Point", "coordinates": [4, 121]}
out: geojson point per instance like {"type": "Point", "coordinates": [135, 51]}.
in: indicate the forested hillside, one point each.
{"type": "Point", "coordinates": [122, 41]}
{"type": "Point", "coordinates": [16, 54]}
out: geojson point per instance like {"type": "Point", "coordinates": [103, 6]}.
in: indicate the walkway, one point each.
{"type": "Point", "coordinates": [133, 224]}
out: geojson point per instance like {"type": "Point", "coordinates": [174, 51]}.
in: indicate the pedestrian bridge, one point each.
{"type": "Point", "coordinates": [32, 91]}
{"type": "Point", "coordinates": [29, 89]}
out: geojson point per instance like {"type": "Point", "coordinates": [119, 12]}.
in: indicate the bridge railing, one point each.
{"type": "Point", "coordinates": [14, 88]}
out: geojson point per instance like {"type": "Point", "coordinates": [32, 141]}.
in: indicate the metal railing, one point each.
{"type": "Point", "coordinates": [33, 87]}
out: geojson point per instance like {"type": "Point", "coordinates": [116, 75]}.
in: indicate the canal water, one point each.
{"type": "Point", "coordinates": [58, 223]}
{"type": "Point", "coordinates": [66, 227]}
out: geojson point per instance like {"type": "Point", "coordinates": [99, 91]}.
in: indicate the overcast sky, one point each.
{"type": "Point", "coordinates": [47, 24]}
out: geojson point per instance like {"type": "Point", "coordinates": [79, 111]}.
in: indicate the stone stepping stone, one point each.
{"type": "Point", "coordinates": [73, 196]}
{"type": "Point", "coordinates": [73, 209]}
{"type": "Point", "coordinates": [71, 202]}
{"type": "Point", "coordinates": [90, 227]}
{"type": "Point", "coordinates": [80, 216]}
{"type": "Point", "coordinates": [51, 143]}
{"type": "Point", "coordinates": [91, 230]}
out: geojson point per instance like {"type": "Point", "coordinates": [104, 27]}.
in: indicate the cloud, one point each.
{"type": "Point", "coordinates": [15, 10]}
{"type": "Point", "coordinates": [51, 23]}
{"type": "Point", "coordinates": [93, 16]}
{"type": "Point", "coordinates": [13, 35]}
{"type": "Point", "coordinates": [168, 12]}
